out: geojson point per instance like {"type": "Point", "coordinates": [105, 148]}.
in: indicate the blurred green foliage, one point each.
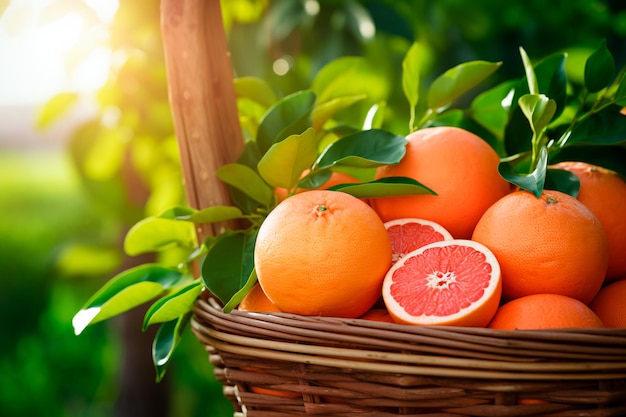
{"type": "Point", "coordinates": [303, 36]}
{"type": "Point", "coordinates": [60, 232]}
{"type": "Point", "coordinates": [39, 208]}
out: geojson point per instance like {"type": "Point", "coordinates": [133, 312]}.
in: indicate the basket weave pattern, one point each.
{"type": "Point", "coordinates": [349, 367]}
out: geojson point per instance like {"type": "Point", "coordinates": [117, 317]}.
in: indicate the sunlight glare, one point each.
{"type": "Point", "coordinates": [93, 70]}
{"type": "Point", "coordinates": [83, 318]}
{"type": "Point", "coordinates": [312, 7]}
{"type": "Point", "coordinates": [41, 60]}
{"type": "Point", "coordinates": [105, 9]}
{"type": "Point", "coordinates": [282, 65]}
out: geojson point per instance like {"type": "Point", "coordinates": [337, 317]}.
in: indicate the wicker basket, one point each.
{"type": "Point", "coordinates": [277, 364]}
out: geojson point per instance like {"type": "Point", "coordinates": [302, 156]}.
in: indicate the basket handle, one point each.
{"type": "Point", "coordinates": [202, 98]}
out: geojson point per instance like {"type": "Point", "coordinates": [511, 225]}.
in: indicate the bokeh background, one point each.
{"type": "Point", "coordinates": [87, 148]}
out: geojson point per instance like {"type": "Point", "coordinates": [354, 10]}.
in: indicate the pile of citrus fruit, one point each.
{"type": "Point", "coordinates": [479, 253]}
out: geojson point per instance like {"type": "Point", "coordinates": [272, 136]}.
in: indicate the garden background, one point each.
{"type": "Point", "coordinates": [87, 149]}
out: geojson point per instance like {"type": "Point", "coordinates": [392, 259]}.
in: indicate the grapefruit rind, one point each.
{"type": "Point", "coordinates": [477, 313]}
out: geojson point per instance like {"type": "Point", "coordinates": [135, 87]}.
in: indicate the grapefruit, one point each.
{"type": "Point", "coordinates": [544, 311]}
{"type": "Point", "coordinates": [610, 304]}
{"type": "Point", "coordinates": [409, 234]}
{"type": "Point", "coordinates": [551, 244]}
{"type": "Point", "coordinates": [452, 282]}
{"type": "Point", "coordinates": [604, 192]}
{"type": "Point", "coordinates": [459, 166]}
{"type": "Point", "coordinates": [322, 253]}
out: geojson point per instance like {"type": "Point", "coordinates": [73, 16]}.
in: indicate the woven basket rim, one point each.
{"type": "Point", "coordinates": [364, 345]}
{"type": "Point", "coordinates": [587, 334]}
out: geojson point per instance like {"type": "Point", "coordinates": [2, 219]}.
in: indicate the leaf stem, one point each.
{"type": "Point", "coordinates": [412, 127]}
{"type": "Point", "coordinates": [536, 145]}
{"type": "Point", "coordinates": [425, 119]}
{"type": "Point", "coordinates": [562, 141]}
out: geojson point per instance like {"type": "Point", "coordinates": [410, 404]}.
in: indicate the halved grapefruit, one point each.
{"type": "Point", "coordinates": [408, 234]}
{"type": "Point", "coordinates": [452, 282]}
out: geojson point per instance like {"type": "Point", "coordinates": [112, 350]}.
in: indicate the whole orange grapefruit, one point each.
{"type": "Point", "coordinates": [323, 253]}
{"type": "Point", "coordinates": [544, 311]}
{"type": "Point", "coordinates": [610, 304]}
{"type": "Point", "coordinates": [459, 166]}
{"type": "Point", "coordinates": [552, 244]}
{"type": "Point", "coordinates": [604, 192]}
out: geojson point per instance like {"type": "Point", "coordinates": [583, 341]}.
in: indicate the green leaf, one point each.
{"type": "Point", "coordinates": [551, 79]}
{"type": "Point", "coordinates": [350, 76]}
{"type": "Point", "coordinates": [534, 181]}
{"type": "Point", "coordinates": [605, 128]}
{"type": "Point", "coordinates": [127, 290]}
{"type": "Point", "coordinates": [562, 180]}
{"type": "Point", "coordinates": [228, 264]}
{"type": "Point", "coordinates": [215, 214]}
{"type": "Point", "coordinates": [411, 65]}
{"type": "Point", "coordinates": [177, 212]}
{"type": "Point", "coordinates": [166, 341]}
{"type": "Point", "coordinates": [384, 187]}
{"type": "Point", "coordinates": [173, 305]}
{"type": "Point", "coordinates": [255, 89]}
{"type": "Point", "coordinates": [449, 117]}
{"type": "Point", "coordinates": [531, 78]}
{"type": "Point", "coordinates": [364, 149]}
{"type": "Point", "coordinates": [325, 111]}
{"type": "Point", "coordinates": [315, 179]}
{"type": "Point", "coordinates": [239, 295]}
{"type": "Point", "coordinates": [517, 133]}
{"type": "Point", "coordinates": [154, 234]}
{"type": "Point", "coordinates": [552, 82]}
{"type": "Point", "coordinates": [375, 117]}
{"type": "Point", "coordinates": [54, 109]}
{"type": "Point", "coordinates": [538, 109]}
{"type": "Point", "coordinates": [250, 156]}
{"type": "Point", "coordinates": [457, 81]}
{"type": "Point", "coordinates": [489, 111]}
{"type": "Point", "coordinates": [248, 181]}
{"type": "Point", "coordinates": [599, 68]}
{"type": "Point", "coordinates": [285, 161]}
{"type": "Point", "coordinates": [289, 116]}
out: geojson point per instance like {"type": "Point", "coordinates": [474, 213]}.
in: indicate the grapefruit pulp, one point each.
{"type": "Point", "coordinates": [408, 234]}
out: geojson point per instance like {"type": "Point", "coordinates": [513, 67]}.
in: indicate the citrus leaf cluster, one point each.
{"type": "Point", "coordinates": [550, 119]}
